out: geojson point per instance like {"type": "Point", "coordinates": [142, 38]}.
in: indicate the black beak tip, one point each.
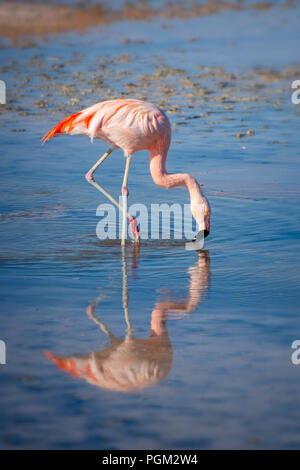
{"type": "Point", "coordinates": [206, 233]}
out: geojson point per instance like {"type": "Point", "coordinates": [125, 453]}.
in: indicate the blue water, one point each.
{"type": "Point", "coordinates": [216, 370]}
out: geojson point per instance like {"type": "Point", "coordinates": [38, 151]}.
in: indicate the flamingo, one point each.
{"type": "Point", "coordinates": [134, 125]}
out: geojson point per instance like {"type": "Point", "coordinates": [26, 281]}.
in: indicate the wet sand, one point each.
{"type": "Point", "coordinates": [19, 19]}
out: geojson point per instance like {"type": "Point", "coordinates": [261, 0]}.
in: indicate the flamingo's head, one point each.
{"type": "Point", "coordinates": [201, 212]}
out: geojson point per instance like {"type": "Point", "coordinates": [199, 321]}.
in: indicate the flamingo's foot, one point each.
{"type": "Point", "coordinates": [134, 229]}
{"type": "Point", "coordinates": [89, 177]}
{"type": "Point", "coordinates": [125, 191]}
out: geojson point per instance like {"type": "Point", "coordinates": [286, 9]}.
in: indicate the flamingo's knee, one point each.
{"type": "Point", "coordinates": [125, 191]}
{"type": "Point", "coordinates": [89, 177]}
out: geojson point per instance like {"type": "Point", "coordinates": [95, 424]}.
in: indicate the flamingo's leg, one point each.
{"type": "Point", "coordinates": [90, 312]}
{"type": "Point", "coordinates": [125, 296]}
{"type": "Point", "coordinates": [90, 179]}
{"type": "Point", "coordinates": [124, 199]}
{"type": "Point", "coordinates": [132, 220]}
{"type": "Point", "coordinates": [89, 176]}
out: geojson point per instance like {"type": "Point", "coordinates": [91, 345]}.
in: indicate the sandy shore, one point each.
{"type": "Point", "coordinates": [18, 19]}
{"type": "Point", "coordinates": [25, 19]}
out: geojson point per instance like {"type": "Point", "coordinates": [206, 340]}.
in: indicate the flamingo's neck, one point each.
{"type": "Point", "coordinates": [171, 180]}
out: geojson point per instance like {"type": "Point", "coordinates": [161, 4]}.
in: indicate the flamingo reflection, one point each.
{"type": "Point", "coordinates": [133, 364]}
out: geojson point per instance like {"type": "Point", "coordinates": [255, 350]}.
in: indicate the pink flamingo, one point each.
{"type": "Point", "coordinates": [134, 125]}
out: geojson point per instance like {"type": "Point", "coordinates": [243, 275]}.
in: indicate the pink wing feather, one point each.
{"type": "Point", "coordinates": [127, 123]}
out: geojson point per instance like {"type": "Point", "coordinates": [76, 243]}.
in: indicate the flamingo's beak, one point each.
{"type": "Point", "coordinates": [207, 226]}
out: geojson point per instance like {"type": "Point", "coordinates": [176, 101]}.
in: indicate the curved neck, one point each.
{"type": "Point", "coordinates": [161, 177]}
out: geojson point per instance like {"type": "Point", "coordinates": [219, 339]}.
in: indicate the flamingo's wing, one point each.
{"type": "Point", "coordinates": [77, 123]}
{"type": "Point", "coordinates": [90, 120]}
{"type": "Point", "coordinates": [128, 123]}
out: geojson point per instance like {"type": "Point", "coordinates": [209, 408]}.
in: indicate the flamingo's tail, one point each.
{"type": "Point", "coordinates": [63, 363]}
{"type": "Point", "coordinates": [64, 126]}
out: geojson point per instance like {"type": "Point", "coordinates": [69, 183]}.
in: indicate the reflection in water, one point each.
{"type": "Point", "coordinates": [132, 364]}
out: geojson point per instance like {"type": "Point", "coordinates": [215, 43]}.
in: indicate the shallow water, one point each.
{"type": "Point", "coordinates": [218, 373]}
